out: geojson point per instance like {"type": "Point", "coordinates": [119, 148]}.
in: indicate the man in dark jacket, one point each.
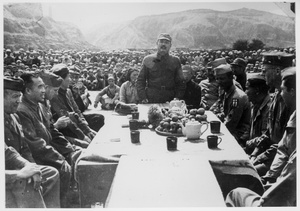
{"type": "Point", "coordinates": [192, 95]}
{"type": "Point", "coordinates": [37, 130]}
{"type": "Point", "coordinates": [14, 137]}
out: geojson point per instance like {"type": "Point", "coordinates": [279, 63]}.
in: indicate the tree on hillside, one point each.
{"type": "Point", "coordinates": [256, 44]}
{"type": "Point", "coordinates": [240, 45]}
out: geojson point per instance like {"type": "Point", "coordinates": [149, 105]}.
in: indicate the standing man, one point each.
{"type": "Point", "coordinates": [14, 138]}
{"type": "Point", "coordinates": [161, 79]}
{"type": "Point", "coordinates": [232, 107]}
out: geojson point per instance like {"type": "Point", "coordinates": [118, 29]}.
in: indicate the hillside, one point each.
{"type": "Point", "coordinates": [25, 26]}
{"type": "Point", "coordinates": [199, 28]}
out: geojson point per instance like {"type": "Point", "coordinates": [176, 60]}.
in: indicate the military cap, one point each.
{"type": "Point", "coordinates": [239, 62]}
{"type": "Point", "coordinates": [289, 71]}
{"type": "Point", "coordinates": [60, 70]}
{"type": "Point", "coordinates": [164, 36]}
{"type": "Point", "coordinates": [51, 79]}
{"type": "Point", "coordinates": [16, 84]}
{"type": "Point", "coordinates": [110, 77]}
{"type": "Point", "coordinates": [256, 80]}
{"type": "Point", "coordinates": [222, 69]}
{"type": "Point", "coordinates": [8, 50]}
{"type": "Point", "coordinates": [278, 58]}
{"type": "Point", "coordinates": [217, 62]}
{"type": "Point", "coordinates": [186, 68]}
{"type": "Point", "coordinates": [74, 70]}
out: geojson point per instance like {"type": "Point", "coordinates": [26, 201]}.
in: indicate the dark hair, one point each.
{"type": "Point", "coordinates": [28, 82]}
{"type": "Point", "coordinates": [290, 82]}
{"type": "Point", "coordinates": [129, 72]}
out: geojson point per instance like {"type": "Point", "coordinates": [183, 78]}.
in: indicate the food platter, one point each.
{"type": "Point", "coordinates": [168, 133]}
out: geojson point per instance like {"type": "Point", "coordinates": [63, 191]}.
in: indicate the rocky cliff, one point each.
{"type": "Point", "coordinates": [199, 28]}
{"type": "Point", "coordinates": [25, 26]}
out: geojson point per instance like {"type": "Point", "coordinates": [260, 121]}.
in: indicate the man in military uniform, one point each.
{"type": "Point", "coordinates": [14, 138]}
{"type": "Point", "coordinates": [266, 145]}
{"type": "Point", "coordinates": [282, 174]}
{"type": "Point", "coordinates": [238, 67]}
{"type": "Point", "coordinates": [160, 79]}
{"type": "Point", "coordinates": [192, 95]}
{"type": "Point", "coordinates": [257, 92]}
{"type": "Point", "coordinates": [209, 86]}
{"type": "Point", "coordinates": [232, 107]}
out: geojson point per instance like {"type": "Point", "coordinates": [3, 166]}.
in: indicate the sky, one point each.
{"type": "Point", "coordinates": [89, 13]}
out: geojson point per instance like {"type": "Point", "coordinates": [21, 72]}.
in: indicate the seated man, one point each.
{"type": "Point", "coordinates": [111, 93]}
{"type": "Point", "coordinates": [192, 95]}
{"type": "Point", "coordinates": [257, 92]}
{"type": "Point", "coordinates": [281, 193]}
{"type": "Point", "coordinates": [18, 172]}
{"type": "Point", "coordinates": [64, 103]}
{"type": "Point", "coordinates": [82, 100]}
{"type": "Point", "coordinates": [14, 138]}
{"type": "Point", "coordinates": [232, 107]}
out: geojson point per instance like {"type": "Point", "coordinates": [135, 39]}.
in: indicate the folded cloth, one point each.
{"type": "Point", "coordinates": [88, 156]}
{"type": "Point", "coordinates": [125, 109]}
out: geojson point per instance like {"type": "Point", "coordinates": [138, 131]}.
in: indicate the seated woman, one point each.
{"type": "Point", "coordinates": [109, 95]}
{"type": "Point", "coordinates": [128, 90]}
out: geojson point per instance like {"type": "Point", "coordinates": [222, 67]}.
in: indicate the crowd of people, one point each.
{"type": "Point", "coordinates": [46, 94]}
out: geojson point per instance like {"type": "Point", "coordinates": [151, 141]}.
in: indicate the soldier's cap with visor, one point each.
{"type": "Point", "coordinates": [239, 62]}
{"type": "Point", "coordinates": [164, 36]}
{"type": "Point", "coordinates": [187, 69]}
{"type": "Point", "coordinates": [256, 79]}
{"type": "Point", "coordinates": [278, 58]}
{"type": "Point", "coordinates": [222, 69]}
{"type": "Point", "coordinates": [61, 70]}
{"type": "Point", "coordinates": [50, 79]}
{"type": "Point", "coordinates": [216, 63]}
{"type": "Point", "coordinates": [14, 83]}
{"type": "Point", "coordinates": [289, 71]}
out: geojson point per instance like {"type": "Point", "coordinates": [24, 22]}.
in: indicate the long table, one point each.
{"type": "Point", "coordinates": [147, 174]}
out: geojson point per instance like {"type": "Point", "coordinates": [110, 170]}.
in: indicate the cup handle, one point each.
{"type": "Point", "coordinates": [219, 140]}
{"type": "Point", "coordinates": [205, 128]}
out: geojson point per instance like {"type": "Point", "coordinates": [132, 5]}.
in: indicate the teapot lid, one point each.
{"type": "Point", "coordinates": [192, 122]}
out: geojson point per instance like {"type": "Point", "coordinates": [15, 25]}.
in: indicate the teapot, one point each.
{"type": "Point", "coordinates": [192, 129]}
{"type": "Point", "coordinates": [178, 106]}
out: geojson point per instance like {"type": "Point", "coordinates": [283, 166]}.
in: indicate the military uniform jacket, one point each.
{"type": "Point", "coordinates": [209, 92]}
{"type": "Point", "coordinates": [192, 95]}
{"type": "Point", "coordinates": [59, 142]}
{"type": "Point", "coordinates": [37, 135]}
{"type": "Point", "coordinates": [235, 107]}
{"type": "Point", "coordinates": [64, 101]}
{"type": "Point", "coordinates": [160, 79]}
{"type": "Point", "coordinates": [259, 118]}
{"type": "Point", "coordinates": [285, 148]}
{"type": "Point", "coordinates": [14, 136]}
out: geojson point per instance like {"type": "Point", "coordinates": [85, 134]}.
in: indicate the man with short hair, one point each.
{"type": "Point", "coordinates": [192, 95]}
{"type": "Point", "coordinates": [238, 67]}
{"type": "Point", "coordinates": [281, 178]}
{"type": "Point", "coordinates": [232, 107]}
{"type": "Point", "coordinates": [257, 92]}
{"type": "Point", "coordinates": [64, 103]}
{"type": "Point", "coordinates": [161, 79]}
{"type": "Point", "coordinates": [38, 134]}
{"type": "Point", "coordinates": [275, 63]}
{"type": "Point", "coordinates": [14, 137]}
